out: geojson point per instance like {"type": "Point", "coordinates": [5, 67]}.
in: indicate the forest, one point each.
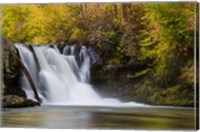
{"type": "Point", "coordinates": [145, 50]}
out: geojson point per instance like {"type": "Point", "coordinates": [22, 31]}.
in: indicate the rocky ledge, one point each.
{"type": "Point", "coordinates": [13, 101]}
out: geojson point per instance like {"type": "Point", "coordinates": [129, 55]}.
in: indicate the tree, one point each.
{"type": "Point", "coordinates": [13, 22]}
{"type": "Point", "coordinates": [169, 40]}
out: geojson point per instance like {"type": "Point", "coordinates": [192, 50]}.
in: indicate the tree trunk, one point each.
{"type": "Point", "coordinates": [85, 8]}
{"type": "Point", "coordinates": [115, 10]}
{"type": "Point", "coordinates": [82, 10]}
{"type": "Point", "coordinates": [98, 6]}
{"type": "Point", "coordinates": [124, 12]}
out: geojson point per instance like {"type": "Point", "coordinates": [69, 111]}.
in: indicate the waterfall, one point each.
{"type": "Point", "coordinates": [29, 62]}
{"type": "Point", "coordinates": [85, 65]}
{"type": "Point", "coordinates": [62, 78]}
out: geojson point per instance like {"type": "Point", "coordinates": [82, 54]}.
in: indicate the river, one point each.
{"type": "Point", "coordinates": [81, 117]}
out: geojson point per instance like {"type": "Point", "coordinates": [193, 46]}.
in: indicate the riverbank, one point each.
{"type": "Point", "coordinates": [135, 90]}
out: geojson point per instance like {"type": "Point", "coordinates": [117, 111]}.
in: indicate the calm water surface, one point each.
{"type": "Point", "coordinates": [153, 118]}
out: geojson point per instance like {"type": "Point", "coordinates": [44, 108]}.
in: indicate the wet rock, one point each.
{"type": "Point", "coordinates": [60, 46]}
{"type": "Point", "coordinates": [11, 71]}
{"type": "Point", "coordinates": [95, 58]}
{"type": "Point", "coordinates": [66, 50]}
{"type": "Point", "coordinates": [13, 101]}
{"type": "Point", "coordinates": [2, 87]}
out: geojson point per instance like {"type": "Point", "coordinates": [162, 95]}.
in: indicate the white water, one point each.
{"type": "Point", "coordinates": [60, 80]}
{"type": "Point", "coordinates": [29, 62]}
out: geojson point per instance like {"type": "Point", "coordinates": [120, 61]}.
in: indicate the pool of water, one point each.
{"type": "Point", "coordinates": [73, 117]}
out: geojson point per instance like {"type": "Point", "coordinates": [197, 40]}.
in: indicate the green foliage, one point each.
{"type": "Point", "coordinates": [142, 73]}
{"type": "Point", "coordinates": [121, 53]}
{"type": "Point", "coordinates": [110, 35]}
{"type": "Point", "coordinates": [169, 39]}
{"type": "Point", "coordinates": [177, 95]}
{"type": "Point", "coordinates": [104, 74]}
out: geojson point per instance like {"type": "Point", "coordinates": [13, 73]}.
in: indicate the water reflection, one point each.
{"type": "Point", "coordinates": [94, 117]}
{"type": "Point", "coordinates": [69, 119]}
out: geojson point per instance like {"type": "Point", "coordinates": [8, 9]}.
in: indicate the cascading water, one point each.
{"type": "Point", "coordinates": [60, 79]}
{"type": "Point", "coordinates": [29, 62]}
{"type": "Point", "coordinates": [85, 65]}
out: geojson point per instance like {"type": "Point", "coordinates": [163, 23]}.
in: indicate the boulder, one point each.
{"type": "Point", "coordinates": [13, 101]}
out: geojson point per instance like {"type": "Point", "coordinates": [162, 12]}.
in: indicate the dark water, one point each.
{"type": "Point", "coordinates": [152, 118]}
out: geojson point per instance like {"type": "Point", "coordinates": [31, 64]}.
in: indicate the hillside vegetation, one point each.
{"type": "Point", "coordinates": [148, 45]}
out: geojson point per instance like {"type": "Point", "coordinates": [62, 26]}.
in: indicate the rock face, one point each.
{"type": "Point", "coordinates": [13, 95]}
{"type": "Point", "coordinates": [11, 72]}
{"type": "Point", "coordinates": [2, 87]}
{"type": "Point", "coordinates": [95, 58]}
{"type": "Point", "coordinates": [13, 101]}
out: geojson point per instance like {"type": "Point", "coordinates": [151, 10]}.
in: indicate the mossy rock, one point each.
{"type": "Point", "coordinates": [177, 95]}
{"type": "Point", "coordinates": [11, 71]}
{"type": "Point", "coordinates": [13, 101]}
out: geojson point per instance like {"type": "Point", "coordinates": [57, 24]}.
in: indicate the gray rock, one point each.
{"type": "Point", "coordinates": [13, 101]}
{"type": "Point", "coordinates": [95, 58]}
{"type": "Point", "coordinates": [11, 70]}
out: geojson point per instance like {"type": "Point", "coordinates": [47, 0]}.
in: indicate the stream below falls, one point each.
{"type": "Point", "coordinates": [82, 117]}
